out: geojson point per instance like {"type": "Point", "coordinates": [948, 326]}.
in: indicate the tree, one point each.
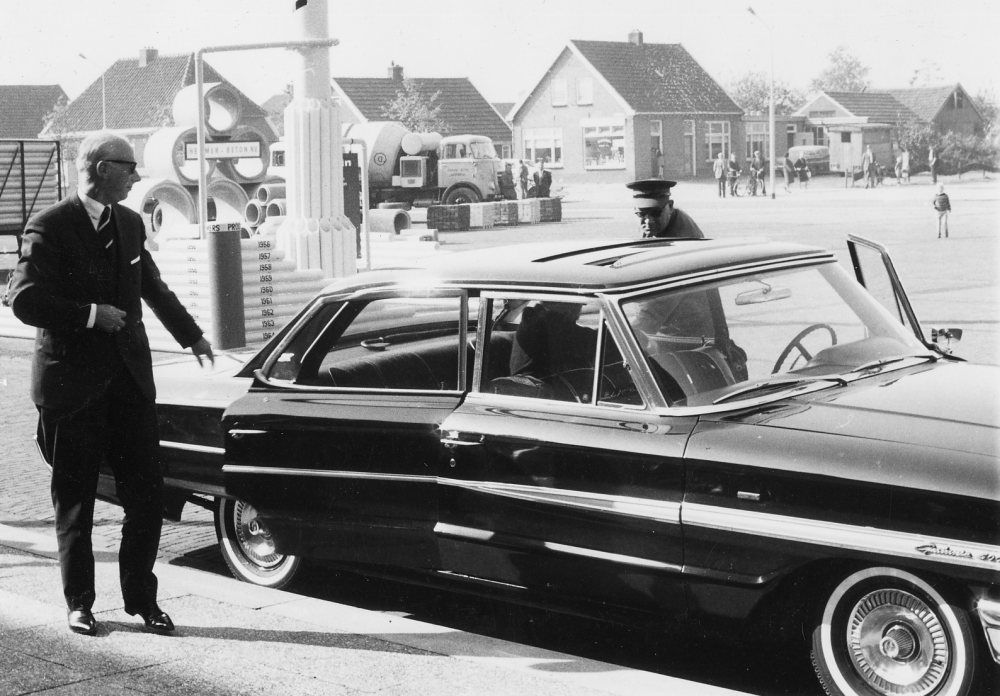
{"type": "Point", "coordinates": [986, 102]}
{"type": "Point", "coordinates": [752, 92]}
{"type": "Point", "coordinates": [417, 112]}
{"type": "Point", "coordinates": [846, 73]}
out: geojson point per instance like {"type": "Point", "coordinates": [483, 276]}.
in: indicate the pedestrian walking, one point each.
{"type": "Point", "coordinates": [868, 167]}
{"type": "Point", "coordinates": [733, 173]}
{"type": "Point", "coordinates": [802, 169]}
{"type": "Point", "coordinates": [932, 161]}
{"type": "Point", "coordinates": [656, 212]}
{"type": "Point", "coordinates": [898, 169]}
{"type": "Point", "coordinates": [943, 206]}
{"type": "Point", "coordinates": [906, 166]}
{"type": "Point", "coordinates": [757, 166]}
{"type": "Point", "coordinates": [507, 187]}
{"type": "Point", "coordinates": [523, 176]}
{"type": "Point", "coordinates": [81, 278]}
{"type": "Point", "coordinates": [719, 169]}
{"type": "Point", "coordinates": [544, 182]}
{"type": "Point", "coordinates": [789, 171]}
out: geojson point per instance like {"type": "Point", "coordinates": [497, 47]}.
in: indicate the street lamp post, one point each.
{"type": "Point", "coordinates": [104, 94]}
{"type": "Point", "coordinates": [771, 101]}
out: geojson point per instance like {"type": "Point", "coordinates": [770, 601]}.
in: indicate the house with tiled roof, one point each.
{"type": "Point", "coordinates": [462, 107]}
{"type": "Point", "coordinates": [24, 108]}
{"type": "Point", "coordinates": [850, 121]}
{"type": "Point", "coordinates": [134, 98]}
{"type": "Point", "coordinates": [608, 111]}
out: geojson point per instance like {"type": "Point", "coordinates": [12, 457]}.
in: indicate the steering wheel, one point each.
{"type": "Point", "coordinates": [796, 343]}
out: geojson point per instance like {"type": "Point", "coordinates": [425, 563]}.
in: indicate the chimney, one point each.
{"type": "Point", "coordinates": [147, 56]}
{"type": "Point", "coordinates": [395, 71]}
{"type": "Point", "coordinates": [635, 37]}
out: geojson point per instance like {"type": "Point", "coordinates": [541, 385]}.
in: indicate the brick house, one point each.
{"type": "Point", "coordinates": [850, 121]}
{"type": "Point", "coordinates": [463, 108]}
{"type": "Point", "coordinates": [616, 111]}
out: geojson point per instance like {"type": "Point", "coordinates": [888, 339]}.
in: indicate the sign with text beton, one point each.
{"type": "Point", "coordinates": [228, 150]}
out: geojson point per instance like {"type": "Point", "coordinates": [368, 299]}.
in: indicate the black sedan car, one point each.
{"type": "Point", "coordinates": [732, 433]}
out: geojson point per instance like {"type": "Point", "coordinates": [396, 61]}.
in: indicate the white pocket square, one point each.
{"type": "Point", "coordinates": [135, 260]}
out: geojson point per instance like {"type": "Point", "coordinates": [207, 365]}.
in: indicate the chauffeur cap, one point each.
{"type": "Point", "coordinates": [651, 193]}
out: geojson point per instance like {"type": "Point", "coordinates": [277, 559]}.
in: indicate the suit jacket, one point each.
{"type": "Point", "coordinates": [681, 225]}
{"type": "Point", "coordinates": [61, 272]}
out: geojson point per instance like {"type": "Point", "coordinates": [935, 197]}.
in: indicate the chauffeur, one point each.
{"type": "Point", "coordinates": [657, 215]}
{"type": "Point", "coordinates": [82, 272]}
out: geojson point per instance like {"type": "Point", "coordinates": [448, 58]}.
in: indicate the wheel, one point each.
{"type": "Point", "coordinates": [885, 631]}
{"type": "Point", "coordinates": [796, 343]}
{"type": "Point", "coordinates": [460, 196]}
{"type": "Point", "coordinates": [247, 546]}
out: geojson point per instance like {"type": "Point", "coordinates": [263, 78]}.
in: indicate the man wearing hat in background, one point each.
{"type": "Point", "coordinates": [657, 215]}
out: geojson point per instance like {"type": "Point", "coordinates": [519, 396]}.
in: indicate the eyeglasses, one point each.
{"type": "Point", "coordinates": [649, 213]}
{"type": "Point", "coordinates": [131, 165]}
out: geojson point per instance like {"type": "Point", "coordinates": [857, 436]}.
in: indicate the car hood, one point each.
{"type": "Point", "coordinates": [944, 405]}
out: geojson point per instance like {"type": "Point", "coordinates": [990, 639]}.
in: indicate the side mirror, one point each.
{"type": "Point", "coordinates": [945, 336]}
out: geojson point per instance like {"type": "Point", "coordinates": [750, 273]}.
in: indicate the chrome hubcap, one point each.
{"type": "Point", "coordinates": [897, 643]}
{"type": "Point", "coordinates": [254, 537]}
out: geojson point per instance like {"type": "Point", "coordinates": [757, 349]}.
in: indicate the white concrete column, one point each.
{"type": "Point", "coordinates": [315, 232]}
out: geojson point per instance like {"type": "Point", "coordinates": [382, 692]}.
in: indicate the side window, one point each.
{"type": "Point", "coordinates": [287, 366]}
{"type": "Point", "coordinates": [616, 385]}
{"type": "Point", "coordinates": [552, 350]}
{"type": "Point", "coordinates": [390, 343]}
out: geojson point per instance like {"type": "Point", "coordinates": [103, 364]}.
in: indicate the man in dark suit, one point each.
{"type": "Point", "coordinates": [82, 273]}
{"type": "Point", "coordinates": [656, 212]}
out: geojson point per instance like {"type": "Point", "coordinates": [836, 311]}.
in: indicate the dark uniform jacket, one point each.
{"type": "Point", "coordinates": [62, 271]}
{"type": "Point", "coordinates": [681, 225]}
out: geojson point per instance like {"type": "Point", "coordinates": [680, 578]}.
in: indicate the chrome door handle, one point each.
{"type": "Point", "coordinates": [240, 434]}
{"type": "Point", "coordinates": [456, 439]}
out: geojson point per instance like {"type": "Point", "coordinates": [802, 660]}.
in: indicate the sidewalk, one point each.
{"type": "Point", "coordinates": [235, 638]}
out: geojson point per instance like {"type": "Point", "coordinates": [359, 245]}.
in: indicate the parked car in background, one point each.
{"type": "Point", "coordinates": [817, 157]}
{"type": "Point", "coordinates": [729, 434]}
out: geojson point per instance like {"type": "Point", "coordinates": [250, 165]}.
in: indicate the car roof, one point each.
{"type": "Point", "coordinates": [589, 266]}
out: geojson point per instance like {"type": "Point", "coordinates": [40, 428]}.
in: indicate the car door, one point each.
{"type": "Point", "coordinates": [544, 487]}
{"type": "Point", "coordinates": [336, 444]}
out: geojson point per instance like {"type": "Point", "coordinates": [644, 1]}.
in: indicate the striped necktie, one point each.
{"type": "Point", "coordinates": [106, 232]}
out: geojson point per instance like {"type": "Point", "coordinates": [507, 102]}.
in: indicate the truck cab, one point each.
{"type": "Point", "coordinates": [467, 169]}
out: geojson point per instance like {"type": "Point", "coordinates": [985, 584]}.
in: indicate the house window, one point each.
{"type": "Point", "coordinates": [757, 139]}
{"type": "Point", "coordinates": [819, 135]}
{"type": "Point", "coordinates": [584, 90]}
{"type": "Point", "coordinates": [845, 137]}
{"type": "Point", "coordinates": [959, 100]}
{"type": "Point", "coordinates": [656, 136]}
{"type": "Point", "coordinates": [543, 145]}
{"type": "Point", "coordinates": [717, 139]}
{"type": "Point", "coordinates": [603, 143]}
{"type": "Point", "coordinates": [559, 93]}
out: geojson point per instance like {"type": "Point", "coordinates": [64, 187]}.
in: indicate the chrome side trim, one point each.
{"type": "Point", "coordinates": [324, 473]}
{"type": "Point", "coordinates": [613, 557]}
{"type": "Point", "coordinates": [658, 510]}
{"type": "Point", "coordinates": [843, 536]}
{"type": "Point", "coordinates": [204, 449]}
{"type": "Point", "coordinates": [464, 532]}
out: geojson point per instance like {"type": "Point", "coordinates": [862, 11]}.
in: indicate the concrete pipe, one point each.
{"type": "Point", "coordinates": [223, 107]}
{"type": "Point", "coordinates": [394, 221]}
{"type": "Point", "coordinates": [276, 207]}
{"type": "Point", "coordinates": [268, 192]}
{"type": "Point", "coordinates": [230, 199]}
{"type": "Point", "coordinates": [254, 212]}
{"type": "Point", "coordinates": [247, 170]}
{"type": "Point", "coordinates": [166, 156]}
{"type": "Point", "coordinates": [164, 204]}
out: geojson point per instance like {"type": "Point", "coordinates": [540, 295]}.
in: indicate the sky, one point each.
{"type": "Point", "coordinates": [505, 47]}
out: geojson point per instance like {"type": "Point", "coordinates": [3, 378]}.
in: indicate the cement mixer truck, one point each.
{"type": "Point", "coordinates": [424, 168]}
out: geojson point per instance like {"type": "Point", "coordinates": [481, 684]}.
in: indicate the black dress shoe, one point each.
{"type": "Point", "coordinates": [155, 619]}
{"type": "Point", "coordinates": [82, 621]}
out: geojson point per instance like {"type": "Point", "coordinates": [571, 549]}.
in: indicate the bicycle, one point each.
{"type": "Point", "coordinates": [751, 184]}
{"type": "Point", "coordinates": [735, 186]}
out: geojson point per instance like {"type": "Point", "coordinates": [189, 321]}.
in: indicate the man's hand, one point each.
{"type": "Point", "coordinates": [203, 347]}
{"type": "Point", "coordinates": [109, 318]}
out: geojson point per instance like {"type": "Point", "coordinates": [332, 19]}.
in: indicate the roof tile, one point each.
{"type": "Point", "coordinates": [657, 78]}
{"type": "Point", "coordinates": [23, 108]}
{"type": "Point", "coordinates": [463, 108]}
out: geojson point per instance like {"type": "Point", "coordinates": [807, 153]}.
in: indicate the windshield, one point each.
{"type": "Point", "coordinates": [483, 150]}
{"type": "Point", "coordinates": [786, 326]}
